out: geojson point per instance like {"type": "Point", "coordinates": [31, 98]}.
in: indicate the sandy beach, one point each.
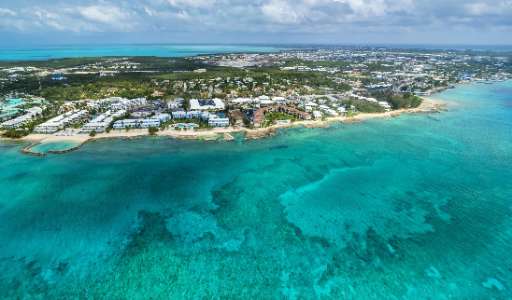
{"type": "Point", "coordinates": [429, 105]}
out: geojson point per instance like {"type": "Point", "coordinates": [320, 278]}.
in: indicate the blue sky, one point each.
{"type": "Point", "coordinates": [258, 21]}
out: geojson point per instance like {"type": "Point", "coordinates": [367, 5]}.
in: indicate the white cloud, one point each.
{"type": "Point", "coordinates": [7, 12]}
{"type": "Point", "coordinates": [332, 11]}
{"type": "Point", "coordinates": [107, 14]}
{"type": "Point", "coordinates": [484, 8]}
{"type": "Point", "coordinates": [52, 20]}
{"type": "Point", "coordinates": [280, 11]}
{"type": "Point", "coordinates": [192, 3]}
{"type": "Point", "coordinates": [241, 17]}
{"type": "Point", "coordinates": [94, 18]}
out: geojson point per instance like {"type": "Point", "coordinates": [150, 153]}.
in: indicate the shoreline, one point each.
{"type": "Point", "coordinates": [429, 105]}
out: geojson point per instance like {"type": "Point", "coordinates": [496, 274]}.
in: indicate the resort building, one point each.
{"type": "Point", "coordinates": [153, 122]}
{"type": "Point", "coordinates": [242, 101]}
{"type": "Point", "coordinates": [176, 103]}
{"type": "Point", "coordinates": [191, 115]}
{"type": "Point", "coordinates": [60, 122]}
{"type": "Point", "coordinates": [358, 97]}
{"type": "Point", "coordinates": [218, 121]}
{"type": "Point", "coordinates": [327, 110]}
{"type": "Point", "coordinates": [163, 117]}
{"type": "Point", "coordinates": [237, 117]}
{"type": "Point", "coordinates": [342, 110]}
{"type": "Point", "coordinates": [102, 122]}
{"type": "Point", "coordinates": [259, 115]}
{"type": "Point", "coordinates": [265, 100]}
{"type": "Point", "coordinates": [317, 115]}
{"type": "Point", "coordinates": [136, 123]}
{"type": "Point", "coordinates": [186, 126]}
{"type": "Point", "coordinates": [209, 104]}
{"type": "Point", "coordinates": [279, 100]}
{"type": "Point", "coordinates": [214, 120]}
{"type": "Point", "coordinates": [127, 104]}
{"type": "Point", "coordinates": [22, 120]}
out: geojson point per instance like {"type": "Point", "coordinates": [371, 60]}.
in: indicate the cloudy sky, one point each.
{"type": "Point", "coordinates": [256, 21]}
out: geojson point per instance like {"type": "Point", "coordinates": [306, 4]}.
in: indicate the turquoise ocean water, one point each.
{"type": "Point", "coordinates": [163, 50]}
{"type": "Point", "coordinates": [417, 207]}
{"type": "Point", "coordinates": [45, 148]}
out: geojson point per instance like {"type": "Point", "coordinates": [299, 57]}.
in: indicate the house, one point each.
{"type": "Point", "coordinates": [342, 110]}
{"type": "Point", "coordinates": [385, 105]}
{"type": "Point", "coordinates": [58, 76]}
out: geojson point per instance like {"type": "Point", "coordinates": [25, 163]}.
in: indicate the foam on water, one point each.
{"type": "Point", "coordinates": [410, 208]}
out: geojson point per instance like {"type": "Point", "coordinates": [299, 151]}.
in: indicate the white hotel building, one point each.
{"type": "Point", "coordinates": [102, 122]}
{"type": "Point", "coordinates": [153, 122]}
{"type": "Point", "coordinates": [210, 104]}
{"type": "Point", "coordinates": [22, 120]}
{"type": "Point", "coordinates": [60, 122]}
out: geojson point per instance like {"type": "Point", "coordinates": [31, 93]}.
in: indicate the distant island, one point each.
{"type": "Point", "coordinates": [213, 96]}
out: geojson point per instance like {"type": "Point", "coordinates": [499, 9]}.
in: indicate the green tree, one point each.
{"type": "Point", "coordinates": [152, 130]}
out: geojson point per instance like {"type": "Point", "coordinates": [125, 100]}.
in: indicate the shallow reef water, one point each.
{"type": "Point", "coordinates": [415, 207]}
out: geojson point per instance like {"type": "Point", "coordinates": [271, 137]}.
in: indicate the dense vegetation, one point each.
{"type": "Point", "coordinates": [152, 130]}
{"type": "Point", "coordinates": [133, 85]}
{"type": "Point", "coordinates": [399, 101]}
{"type": "Point", "coordinates": [89, 85]}
{"type": "Point", "coordinates": [404, 101]}
{"type": "Point", "coordinates": [93, 87]}
{"type": "Point", "coordinates": [364, 106]}
{"type": "Point", "coordinates": [272, 117]}
{"type": "Point", "coordinates": [15, 133]}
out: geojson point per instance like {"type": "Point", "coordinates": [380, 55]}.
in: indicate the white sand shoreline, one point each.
{"type": "Point", "coordinates": [429, 105]}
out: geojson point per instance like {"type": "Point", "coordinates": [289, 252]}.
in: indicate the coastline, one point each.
{"type": "Point", "coordinates": [429, 105]}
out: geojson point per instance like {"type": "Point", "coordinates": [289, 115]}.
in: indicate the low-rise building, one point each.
{"type": "Point", "coordinates": [153, 122]}
{"type": "Point", "coordinates": [60, 122]}
{"type": "Point", "coordinates": [136, 123]}
{"type": "Point", "coordinates": [385, 105]}
{"type": "Point", "coordinates": [194, 114]}
{"type": "Point", "coordinates": [186, 126]}
{"type": "Point", "coordinates": [259, 115]}
{"type": "Point", "coordinates": [102, 122]}
{"type": "Point", "coordinates": [22, 120]}
{"type": "Point", "coordinates": [127, 104]}
{"type": "Point", "coordinates": [218, 121]}
{"type": "Point", "coordinates": [207, 104]}
{"type": "Point", "coordinates": [237, 117]}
